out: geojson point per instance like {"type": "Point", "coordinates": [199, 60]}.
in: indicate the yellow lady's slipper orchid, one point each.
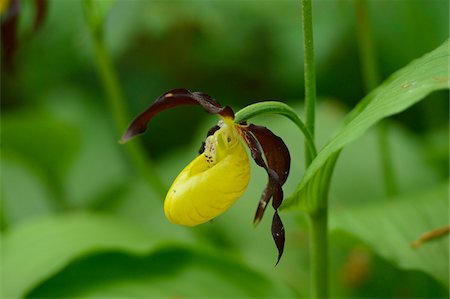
{"type": "Point", "coordinates": [211, 183]}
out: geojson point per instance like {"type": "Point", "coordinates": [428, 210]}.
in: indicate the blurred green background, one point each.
{"type": "Point", "coordinates": [79, 220]}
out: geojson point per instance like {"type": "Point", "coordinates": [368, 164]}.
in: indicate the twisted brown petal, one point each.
{"type": "Point", "coordinates": [275, 151]}
{"type": "Point", "coordinates": [256, 152]}
{"type": "Point", "coordinates": [170, 99]}
{"type": "Point", "coordinates": [278, 234]}
{"type": "Point", "coordinates": [278, 164]}
{"type": "Point", "coordinates": [260, 139]}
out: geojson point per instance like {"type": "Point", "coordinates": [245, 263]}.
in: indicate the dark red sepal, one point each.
{"type": "Point", "coordinates": [278, 234]}
{"type": "Point", "coordinates": [278, 164]}
{"type": "Point", "coordinates": [170, 99]}
{"type": "Point", "coordinates": [256, 152]}
{"type": "Point", "coordinates": [275, 151]}
{"type": "Point", "coordinates": [262, 140]}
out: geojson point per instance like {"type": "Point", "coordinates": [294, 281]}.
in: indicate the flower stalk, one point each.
{"type": "Point", "coordinates": [319, 218]}
{"type": "Point", "coordinates": [310, 73]}
{"type": "Point", "coordinates": [272, 107]}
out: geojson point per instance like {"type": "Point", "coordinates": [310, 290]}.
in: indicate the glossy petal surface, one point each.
{"type": "Point", "coordinates": [171, 99]}
{"type": "Point", "coordinates": [211, 183]}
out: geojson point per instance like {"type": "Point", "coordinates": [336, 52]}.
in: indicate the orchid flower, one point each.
{"type": "Point", "coordinates": [216, 179]}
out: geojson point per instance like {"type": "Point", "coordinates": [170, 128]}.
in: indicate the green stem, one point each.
{"type": "Point", "coordinates": [390, 182]}
{"type": "Point", "coordinates": [319, 256]}
{"type": "Point", "coordinates": [318, 223]}
{"type": "Point", "coordinates": [310, 73]}
{"type": "Point", "coordinates": [116, 100]}
{"type": "Point", "coordinates": [371, 80]}
{"type": "Point", "coordinates": [365, 44]}
{"type": "Point", "coordinates": [272, 107]}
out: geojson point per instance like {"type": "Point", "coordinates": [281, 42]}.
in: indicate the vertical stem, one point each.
{"type": "Point", "coordinates": [116, 100]}
{"type": "Point", "coordinates": [310, 73]}
{"type": "Point", "coordinates": [111, 85]}
{"type": "Point", "coordinates": [366, 49]}
{"type": "Point", "coordinates": [319, 256]}
{"type": "Point", "coordinates": [371, 80]}
{"type": "Point", "coordinates": [319, 219]}
{"type": "Point", "coordinates": [390, 182]}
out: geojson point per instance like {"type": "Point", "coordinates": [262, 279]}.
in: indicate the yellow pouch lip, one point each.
{"type": "Point", "coordinates": [209, 190]}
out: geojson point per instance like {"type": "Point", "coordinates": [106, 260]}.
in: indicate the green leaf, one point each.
{"type": "Point", "coordinates": [389, 227]}
{"type": "Point", "coordinates": [49, 142]}
{"type": "Point", "coordinates": [171, 272]}
{"type": "Point", "coordinates": [37, 249]}
{"type": "Point", "coordinates": [403, 89]}
{"type": "Point", "coordinates": [25, 192]}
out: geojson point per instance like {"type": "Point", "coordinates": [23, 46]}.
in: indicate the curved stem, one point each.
{"type": "Point", "coordinates": [272, 107]}
{"type": "Point", "coordinates": [116, 100]}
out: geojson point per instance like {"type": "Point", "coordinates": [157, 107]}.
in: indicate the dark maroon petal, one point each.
{"type": "Point", "coordinates": [278, 234]}
{"type": "Point", "coordinates": [255, 148]}
{"type": "Point", "coordinates": [263, 201]}
{"type": "Point", "coordinates": [277, 193]}
{"type": "Point", "coordinates": [275, 151]}
{"type": "Point", "coordinates": [256, 152]}
{"type": "Point", "coordinates": [170, 99]}
{"type": "Point", "coordinates": [262, 140]}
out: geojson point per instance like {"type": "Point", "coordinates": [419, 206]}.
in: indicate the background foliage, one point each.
{"type": "Point", "coordinates": [77, 220]}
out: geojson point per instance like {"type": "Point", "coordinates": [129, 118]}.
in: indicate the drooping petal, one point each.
{"type": "Point", "coordinates": [262, 140]}
{"type": "Point", "coordinates": [278, 234]}
{"type": "Point", "coordinates": [170, 99]}
{"type": "Point", "coordinates": [275, 151]}
{"type": "Point", "coordinates": [256, 152]}
{"type": "Point", "coordinates": [211, 183]}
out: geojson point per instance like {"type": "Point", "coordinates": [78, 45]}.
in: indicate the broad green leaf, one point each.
{"type": "Point", "coordinates": [99, 169]}
{"type": "Point", "coordinates": [50, 143]}
{"type": "Point", "coordinates": [25, 191]}
{"type": "Point", "coordinates": [37, 249]}
{"type": "Point", "coordinates": [100, 165]}
{"type": "Point", "coordinates": [403, 89]}
{"type": "Point", "coordinates": [389, 227]}
{"type": "Point", "coordinates": [171, 272]}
